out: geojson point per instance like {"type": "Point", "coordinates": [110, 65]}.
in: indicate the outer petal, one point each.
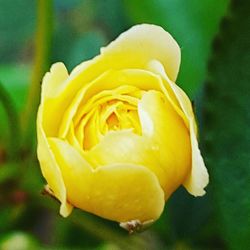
{"type": "Point", "coordinates": [142, 43]}
{"type": "Point", "coordinates": [132, 49]}
{"type": "Point", "coordinates": [52, 81]}
{"type": "Point", "coordinates": [198, 178]}
{"type": "Point", "coordinates": [50, 169]}
{"type": "Point", "coordinates": [167, 131]}
{"type": "Point", "coordinates": [51, 100]}
{"type": "Point", "coordinates": [116, 192]}
{"type": "Point", "coordinates": [125, 147]}
{"type": "Point", "coordinates": [164, 146]}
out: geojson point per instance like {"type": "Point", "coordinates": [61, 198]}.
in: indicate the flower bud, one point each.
{"type": "Point", "coordinates": [117, 136]}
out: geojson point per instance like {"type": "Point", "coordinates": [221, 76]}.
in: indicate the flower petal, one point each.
{"type": "Point", "coordinates": [52, 81]}
{"type": "Point", "coordinates": [112, 79]}
{"type": "Point", "coordinates": [141, 44]}
{"type": "Point", "coordinates": [164, 147]}
{"type": "Point", "coordinates": [167, 131]}
{"type": "Point", "coordinates": [50, 98]}
{"type": "Point", "coordinates": [120, 192]}
{"type": "Point", "coordinates": [198, 178]}
{"type": "Point", "coordinates": [126, 147]}
{"type": "Point", "coordinates": [132, 49]}
{"type": "Point", "coordinates": [50, 169]}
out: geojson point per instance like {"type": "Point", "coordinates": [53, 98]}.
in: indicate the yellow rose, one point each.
{"type": "Point", "coordinates": [117, 136]}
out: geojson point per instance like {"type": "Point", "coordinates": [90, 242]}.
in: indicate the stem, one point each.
{"type": "Point", "coordinates": [13, 122]}
{"type": "Point", "coordinates": [41, 61]}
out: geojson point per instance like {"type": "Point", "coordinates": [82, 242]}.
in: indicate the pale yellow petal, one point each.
{"type": "Point", "coordinates": [141, 44]}
{"type": "Point", "coordinates": [120, 192]}
{"type": "Point", "coordinates": [72, 138]}
{"type": "Point", "coordinates": [132, 49]}
{"type": "Point", "coordinates": [50, 169]}
{"type": "Point", "coordinates": [53, 80]}
{"type": "Point", "coordinates": [168, 133]}
{"type": "Point", "coordinates": [126, 147]}
{"type": "Point", "coordinates": [51, 87]}
{"type": "Point", "coordinates": [70, 111]}
{"type": "Point", "coordinates": [164, 147]}
{"type": "Point", "coordinates": [198, 178]}
{"type": "Point", "coordinates": [111, 79]}
{"type": "Point", "coordinates": [91, 131]}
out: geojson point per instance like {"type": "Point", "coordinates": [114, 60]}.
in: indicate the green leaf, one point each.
{"type": "Point", "coordinates": [226, 126]}
{"type": "Point", "coordinates": [192, 23]}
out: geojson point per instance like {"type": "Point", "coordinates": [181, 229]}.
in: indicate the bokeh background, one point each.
{"type": "Point", "coordinates": [214, 36]}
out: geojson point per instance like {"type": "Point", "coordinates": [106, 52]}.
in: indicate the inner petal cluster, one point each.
{"type": "Point", "coordinates": [109, 110]}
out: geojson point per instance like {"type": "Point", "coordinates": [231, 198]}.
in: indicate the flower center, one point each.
{"type": "Point", "coordinates": [109, 110]}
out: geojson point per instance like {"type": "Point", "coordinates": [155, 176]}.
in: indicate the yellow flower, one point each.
{"type": "Point", "coordinates": [117, 136]}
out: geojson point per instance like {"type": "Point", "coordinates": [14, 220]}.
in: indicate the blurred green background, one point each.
{"type": "Point", "coordinates": [214, 40]}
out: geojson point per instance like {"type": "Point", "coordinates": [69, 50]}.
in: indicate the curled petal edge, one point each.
{"type": "Point", "coordinates": [198, 178]}
{"type": "Point", "coordinates": [50, 169]}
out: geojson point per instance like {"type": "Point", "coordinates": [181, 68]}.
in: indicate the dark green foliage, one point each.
{"type": "Point", "coordinates": [226, 126]}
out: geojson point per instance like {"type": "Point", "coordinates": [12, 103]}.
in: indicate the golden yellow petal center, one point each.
{"type": "Point", "coordinates": [111, 110]}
